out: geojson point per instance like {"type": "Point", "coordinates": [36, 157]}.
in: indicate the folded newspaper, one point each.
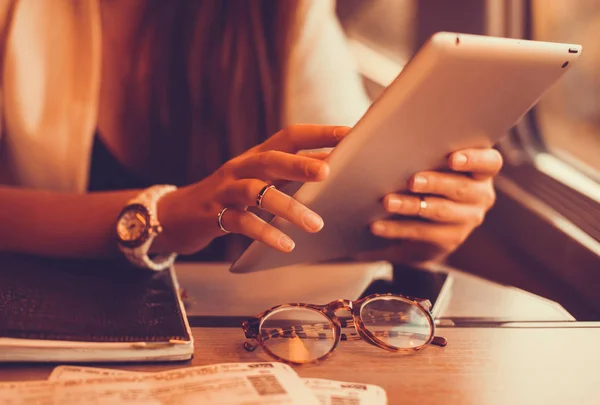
{"type": "Point", "coordinates": [228, 383]}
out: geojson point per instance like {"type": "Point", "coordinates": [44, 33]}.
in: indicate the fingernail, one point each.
{"type": "Point", "coordinates": [459, 159]}
{"type": "Point", "coordinates": [312, 221]}
{"type": "Point", "coordinates": [315, 168]}
{"type": "Point", "coordinates": [340, 132]}
{"type": "Point", "coordinates": [286, 243]}
{"type": "Point", "coordinates": [378, 228]}
{"type": "Point", "coordinates": [394, 204]}
{"type": "Point", "coordinates": [419, 182]}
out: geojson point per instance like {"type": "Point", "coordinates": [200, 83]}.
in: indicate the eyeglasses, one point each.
{"type": "Point", "coordinates": [304, 333]}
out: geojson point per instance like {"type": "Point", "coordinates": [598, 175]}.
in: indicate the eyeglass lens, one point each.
{"type": "Point", "coordinates": [396, 322]}
{"type": "Point", "coordinates": [297, 334]}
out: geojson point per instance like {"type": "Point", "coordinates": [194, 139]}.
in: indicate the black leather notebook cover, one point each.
{"type": "Point", "coordinates": [87, 301]}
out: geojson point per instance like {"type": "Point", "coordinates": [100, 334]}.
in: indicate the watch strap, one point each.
{"type": "Point", "coordinates": [139, 256]}
{"type": "Point", "coordinates": [157, 263]}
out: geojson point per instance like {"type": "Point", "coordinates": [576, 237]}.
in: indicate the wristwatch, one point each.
{"type": "Point", "coordinates": [137, 226]}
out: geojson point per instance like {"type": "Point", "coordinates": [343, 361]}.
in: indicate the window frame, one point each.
{"type": "Point", "coordinates": [555, 173]}
{"type": "Point", "coordinates": [578, 183]}
{"type": "Point", "coordinates": [544, 218]}
{"type": "Point", "coordinates": [517, 23]}
{"type": "Point", "coordinates": [540, 225]}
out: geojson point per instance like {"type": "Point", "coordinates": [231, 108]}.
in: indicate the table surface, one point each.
{"type": "Point", "coordinates": [552, 362]}
{"type": "Point", "coordinates": [532, 365]}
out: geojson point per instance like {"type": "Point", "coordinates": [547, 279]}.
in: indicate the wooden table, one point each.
{"type": "Point", "coordinates": [541, 364]}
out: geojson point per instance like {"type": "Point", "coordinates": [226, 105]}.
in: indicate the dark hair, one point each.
{"type": "Point", "coordinates": [215, 78]}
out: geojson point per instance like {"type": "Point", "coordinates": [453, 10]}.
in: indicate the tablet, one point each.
{"type": "Point", "coordinates": [459, 91]}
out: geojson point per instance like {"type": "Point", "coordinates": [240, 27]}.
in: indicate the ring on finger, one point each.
{"type": "Point", "coordinates": [261, 195]}
{"type": "Point", "coordinates": [220, 220]}
{"type": "Point", "coordinates": [422, 206]}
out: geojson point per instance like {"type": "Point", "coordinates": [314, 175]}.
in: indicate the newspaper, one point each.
{"type": "Point", "coordinates": [331, 392]}
{"type": "Point", "coordinates": [76, 372]}
{"type": "Point", "coordinates": [328, 392]}
{"type": "Point", "coordinates": [229, 383]}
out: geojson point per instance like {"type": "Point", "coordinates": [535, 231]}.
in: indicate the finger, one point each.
{"type": "Point", "coordinates": [246, 223]}
{"type": "Point", "coordinates": [298, 137]}
{"type": "Point", "coordinates": [435, 208]}
{"type": "Point", "coordinates": [245, 192]}
{"type": "Point", "coordinates": [454, 186]}
{"type": "Point", "coordinates": [446, 235]}
{"type": "Point", "coordinates": [482, 163]}
{"type": "Point", "coordinates": [282, 205]}
{"type": "Point", "coordinates": [319, 154]}
{"type": "Point", "coordinates": [280, 165]}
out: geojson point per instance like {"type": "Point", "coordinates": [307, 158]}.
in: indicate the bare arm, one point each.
{"type": "Point", "coordinates": [83, 225]}
{"type": "Point", "coordinates": [60, 224]}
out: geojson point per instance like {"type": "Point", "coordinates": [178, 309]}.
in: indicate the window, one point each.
{"type": "Point", "coordinates": [568, 116]}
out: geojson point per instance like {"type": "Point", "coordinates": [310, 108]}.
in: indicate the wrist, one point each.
{"type": "Point", "coordinates": [138, 227]}
{"type": "Point", "coordinates": [189, 220]}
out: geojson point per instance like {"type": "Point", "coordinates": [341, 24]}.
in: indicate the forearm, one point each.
{"type": "Point", "coordinates": [60, 224]}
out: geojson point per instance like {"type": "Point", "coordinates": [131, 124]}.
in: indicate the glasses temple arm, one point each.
{"type": "Point", "coordinates": [439, 341]}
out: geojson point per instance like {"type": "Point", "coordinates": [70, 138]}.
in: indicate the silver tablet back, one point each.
{"type": "Point", "coordinates": [459, 91]}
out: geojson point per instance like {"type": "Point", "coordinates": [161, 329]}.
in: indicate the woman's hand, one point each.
{"type": "Point", "coordinates": [441, 210]}
{"type": "Point", "coordinates": [189, 216]}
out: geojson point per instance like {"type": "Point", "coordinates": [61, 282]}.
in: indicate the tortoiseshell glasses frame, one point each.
{"type": "Point", "coordinates": [253, 327]}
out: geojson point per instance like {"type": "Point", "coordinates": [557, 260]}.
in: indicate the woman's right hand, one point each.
{"type": "Point", "coordinates": [189, 215]}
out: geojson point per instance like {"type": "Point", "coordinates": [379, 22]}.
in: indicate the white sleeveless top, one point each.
{"type": "Point", "coordinates": [50, 76]}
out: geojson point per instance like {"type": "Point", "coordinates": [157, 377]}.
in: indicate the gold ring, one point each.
{"type": "Point", "coordinates": [422, 206]}
{"type": "Point", "coordinates": [261, 195]}
{"type": "Point", "coordinates": [220, 220]}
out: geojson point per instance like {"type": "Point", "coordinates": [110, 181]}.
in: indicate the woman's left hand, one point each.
{"type": "Point", "coordinates": [452, 203]}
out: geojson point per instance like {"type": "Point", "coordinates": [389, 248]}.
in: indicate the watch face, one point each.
{"type": "Point", "coordinates": [133, 225]}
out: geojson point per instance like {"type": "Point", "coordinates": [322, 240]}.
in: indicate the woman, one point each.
{"type": "Point", "coordinates": [114, 96]}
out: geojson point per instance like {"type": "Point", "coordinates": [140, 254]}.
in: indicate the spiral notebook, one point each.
{"type": "Point", "coordinates": [89, 311]}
